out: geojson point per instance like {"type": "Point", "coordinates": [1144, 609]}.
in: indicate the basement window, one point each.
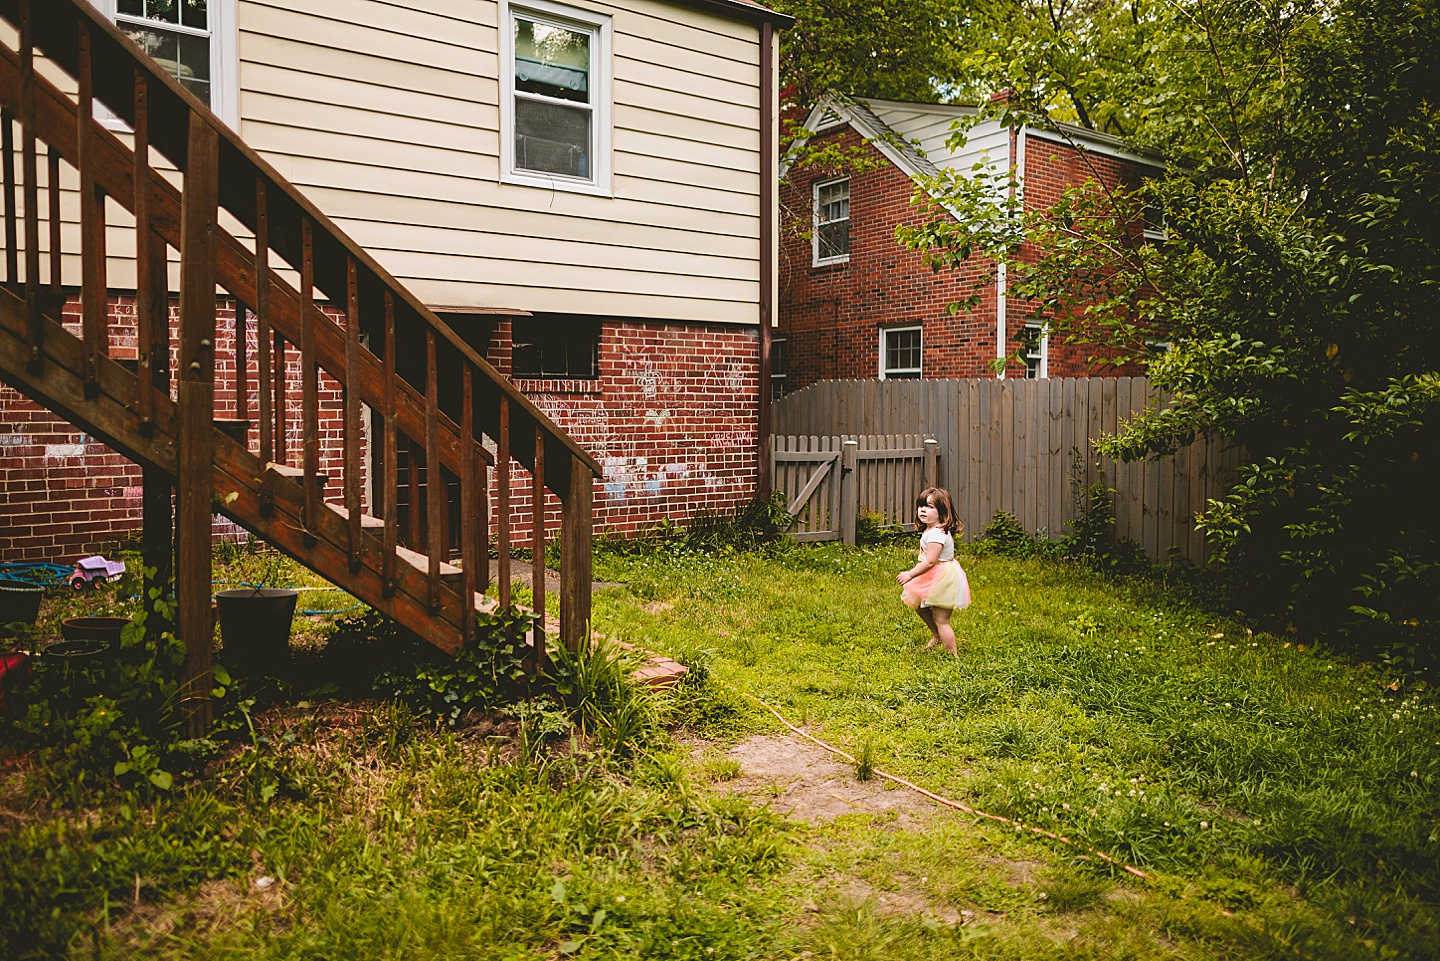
{"type": "Point", "coordinates": [555, 347]}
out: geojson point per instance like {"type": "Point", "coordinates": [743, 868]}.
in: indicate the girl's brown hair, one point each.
{"type": "Point", "coordinates": [939, 498]}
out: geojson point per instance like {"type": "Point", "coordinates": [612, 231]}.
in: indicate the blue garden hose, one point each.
{"type": "Point", "coordinates": [42, 573]}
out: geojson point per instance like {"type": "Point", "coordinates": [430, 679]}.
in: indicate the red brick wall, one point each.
{"type": "Point", "coordinates": [672, 419]}
{"type": "Point", "coordinates": [64, 495]}
{"type": "Point", "coordinates": [832, 315]}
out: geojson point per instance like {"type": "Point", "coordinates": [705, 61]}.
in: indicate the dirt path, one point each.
{"type": "Point", "coordinates": [806, 782]}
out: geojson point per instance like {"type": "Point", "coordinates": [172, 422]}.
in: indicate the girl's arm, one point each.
{"type": "Point", "coordinates": [932, 557]}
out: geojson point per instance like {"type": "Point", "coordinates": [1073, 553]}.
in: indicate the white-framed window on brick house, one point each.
{"type": "Point", "coordinates": [554, 96]}
{"type": "Point", "coordinates": [193, 40]}
{"type": "Point", "coordinates": [831, 236]}
{"type": "Point", "coordinates": [1037, 352]}
{"type": "Point", "coordinates": [1154, 223]}
{"type": "Point", "coordinates": [900, 353]}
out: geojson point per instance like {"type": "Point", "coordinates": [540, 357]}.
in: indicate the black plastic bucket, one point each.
{"type": "Point", "coordinates": [19, 601]}
{"type": "Point", "coordinates": [255, 630]}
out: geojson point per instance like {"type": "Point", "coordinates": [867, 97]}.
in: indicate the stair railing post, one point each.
{"type": "Point", "coordinates": [435, 514]}
{"type": "Point", "coordinates": [502, 506]}
{"type": "Point", "coordinates": [36, 362]}
{"type": "Point", "coordinates": [7, 166]}
{"type": "Point", "coordinates": [354, 431]}
{"type": "Point", "coordinates": [469, 501]}
{"type": "Point", "coordinates": [196, 395]}
{"type": "Point", "coordinates": [264, 369]}
{"type": "Point", "coordinates": [537, 545]}
{"type": "Point", "coordinates": [576, 560]}
{"type": "Point", "coordinates": [94, 301]}
{"type": "Point", "coordinates": [849, 491]}
{"type": "Point", "coordinates": [157, 543]}
{"type": "Point", "coordinates": [309, 386]}
{"type": "Point", "coordinates": [145, 265]}
{"type": "Point", "coordinates": [390, 458]}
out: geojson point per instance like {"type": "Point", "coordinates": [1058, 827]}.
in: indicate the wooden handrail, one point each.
{"type": "Point", "coordinates": [427, 386]}
{"type": "Point", "coordinates": [56, 27]}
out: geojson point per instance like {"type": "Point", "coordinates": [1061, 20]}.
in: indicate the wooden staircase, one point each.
{"type": "Point", "coordinates": [194, 188]}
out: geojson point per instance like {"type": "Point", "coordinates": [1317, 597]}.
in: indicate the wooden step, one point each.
{"type": "Point", "coordinates": [417, 560]}
{"type": "Point", "coordinates": [293, 473]}
{"type": "Point", "coordinates": [367, 521]}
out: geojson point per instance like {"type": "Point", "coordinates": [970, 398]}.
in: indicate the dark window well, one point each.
{"type": "Point", "coordinates": [555, 346]}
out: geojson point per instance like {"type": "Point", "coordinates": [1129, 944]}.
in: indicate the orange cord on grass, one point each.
{"type": "Point", "coordinates": [949, 803]}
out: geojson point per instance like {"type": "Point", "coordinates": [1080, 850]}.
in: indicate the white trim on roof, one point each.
{"type": "Point", "coordinates": [817, 123]}
{"type": "Point", "coordinates": [1094, 142]}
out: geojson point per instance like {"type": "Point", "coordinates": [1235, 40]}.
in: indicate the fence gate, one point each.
{"type": "Point", "coordinates": [829, 481]}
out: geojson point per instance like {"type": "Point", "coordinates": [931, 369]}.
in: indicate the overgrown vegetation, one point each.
{"type": "Point", "coordinates": [1266, 786]}
{"type": "Point", "coordinates": [1291, 282]}
{"type": "Point", "coordinates": [1248, 772]}
{"type": "Point", "coordinates": [1091, 540]}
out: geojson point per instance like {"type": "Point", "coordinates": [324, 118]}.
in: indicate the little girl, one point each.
{"type": "Point", "coordinates": [936, 585]}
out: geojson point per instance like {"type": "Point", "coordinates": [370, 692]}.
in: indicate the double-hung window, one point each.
{"type": "Point", "coordinates": [832, 222]}
{"type": "Point", "coordinates": [900, 353]}
{"type": "Point", "coordinates": [192, 40]}
{"type": "Point", "coordinates": [1036, 352]}
{"type": "Point", "coordinates": [555, 97]}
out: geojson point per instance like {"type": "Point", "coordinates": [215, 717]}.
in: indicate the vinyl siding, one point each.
{"type": "Point", "coordinates": [929, 126]}
{"type": "Point", "coordinates": [387, 115]}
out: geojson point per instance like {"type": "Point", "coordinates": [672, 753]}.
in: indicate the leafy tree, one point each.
{"type": "Point", "coordinates": [864, 48]}
{"type": "Point", "coordinates": [1296, 288]}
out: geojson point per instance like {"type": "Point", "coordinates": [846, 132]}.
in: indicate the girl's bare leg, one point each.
{"type": "Point", "coordinates": [929, 620]}
{"type": "Point", "coordinates": [940, 619]}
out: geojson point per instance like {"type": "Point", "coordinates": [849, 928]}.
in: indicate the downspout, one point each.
{"type": "Point", "coordinates": [769, 164]}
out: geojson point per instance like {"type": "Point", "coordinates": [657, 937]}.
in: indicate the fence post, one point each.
{"type": "Point", "coordinates": [932, 462]}
{"type": "Point", "coordinates": [849, 492]}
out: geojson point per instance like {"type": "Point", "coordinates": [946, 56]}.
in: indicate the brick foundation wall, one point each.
{"type": "Point", "coordinates": [64, 495]}
{"type": "Point", "coordinates": [831, 316]}
{"type": "Point", "coordinates": [672, 419]}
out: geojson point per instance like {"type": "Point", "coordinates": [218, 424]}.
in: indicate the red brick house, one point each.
{"type": "Point", "coordinates": [854, 304]}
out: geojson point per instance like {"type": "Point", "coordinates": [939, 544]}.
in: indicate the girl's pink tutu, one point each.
{"type": "Point", "coordinates": [943, 585]}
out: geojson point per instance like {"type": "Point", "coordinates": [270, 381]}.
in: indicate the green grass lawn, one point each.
{"type": "Point", "coordinates": [1246, 773]}
{"type": "Point", "coordinates": [1283, 802]}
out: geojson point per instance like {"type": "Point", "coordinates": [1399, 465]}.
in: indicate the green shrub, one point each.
{"type": "Point", "coordinates": [113, 720]}
{"type": "Point", "coordinates": [490, 672]}
{"type": "Point", "coordinates": [1004, 536]}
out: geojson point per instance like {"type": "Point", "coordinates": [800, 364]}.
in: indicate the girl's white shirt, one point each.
{"type": "Point", "coordinates": [937, 535]}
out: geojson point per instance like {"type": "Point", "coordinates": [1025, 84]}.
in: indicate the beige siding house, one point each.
{"type": "Point", "coordinates": [585, 189]}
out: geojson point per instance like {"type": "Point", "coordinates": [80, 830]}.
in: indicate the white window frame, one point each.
{"type": "Point", "coordinates": [224, 61]}
{"type": "Point", "coordinates": [599, 26]}
{"type": "Point", "coordinates": [1042, 352]}
{"type": "Point", "coordinates": [919, 372]}
{"type": "Point", "coordinates": [815, 258]}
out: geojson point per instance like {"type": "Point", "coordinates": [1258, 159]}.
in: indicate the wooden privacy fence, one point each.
{"type": "Point", "coordinates": [1009, 445]}
{"type": "Point", "coordinates": [829, 481]}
